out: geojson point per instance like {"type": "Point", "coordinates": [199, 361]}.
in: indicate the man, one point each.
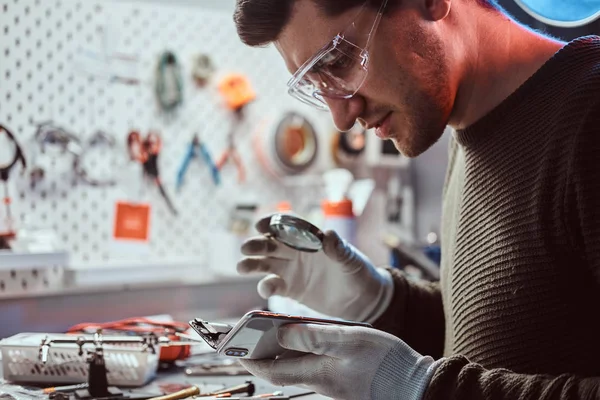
{"type": "Point", "coordinates": [514, 315]}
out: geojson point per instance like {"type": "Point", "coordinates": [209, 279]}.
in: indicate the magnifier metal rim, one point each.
{"type": "Point", "coordinates": [298, 223]}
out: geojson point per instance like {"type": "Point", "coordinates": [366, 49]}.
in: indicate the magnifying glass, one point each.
{"type": "Point", "coordinates": [296, 233]}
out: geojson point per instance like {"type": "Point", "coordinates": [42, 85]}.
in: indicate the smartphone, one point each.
{"type": "Point", "coordinates": [255, 335]}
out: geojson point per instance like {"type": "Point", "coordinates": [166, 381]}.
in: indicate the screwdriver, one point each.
{"type": "Point", "coordinates": [247, 387]}
{"type": "Point", "coordinates": [271, 396]}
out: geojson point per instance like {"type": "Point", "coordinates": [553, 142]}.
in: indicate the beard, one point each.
{"type": "Point", "coordinates": [423, 126]}
{"type": "Point", "coordinates": [428, 100]}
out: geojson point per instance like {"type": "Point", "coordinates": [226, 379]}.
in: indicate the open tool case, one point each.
{"type": "Point", "coordinates": [127, 365]}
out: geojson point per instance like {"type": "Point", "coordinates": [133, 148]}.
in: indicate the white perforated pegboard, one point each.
{"type": "Point", "coordinates": [39, 46]}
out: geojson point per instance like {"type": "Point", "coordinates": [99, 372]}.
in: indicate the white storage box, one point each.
{"type": "Point", "coordinates": [127, 365]}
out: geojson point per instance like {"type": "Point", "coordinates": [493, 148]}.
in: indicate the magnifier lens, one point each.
{"type": "Point", "coordinates": [296, 233]}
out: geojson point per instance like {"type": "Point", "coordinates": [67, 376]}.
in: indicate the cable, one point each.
{"type": "Point", "coordinates": [18, 156]}
{"type": "Point", "coordinates": [169, 83]}
{"type": "Point", "coordinates": [5, 170]}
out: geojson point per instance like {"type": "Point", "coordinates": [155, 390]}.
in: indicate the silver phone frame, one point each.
{"type": "Point", "coordinates": [223, 344]}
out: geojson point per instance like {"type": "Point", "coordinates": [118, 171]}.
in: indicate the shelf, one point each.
{"type": "Point", "coordinates": [10, 260]}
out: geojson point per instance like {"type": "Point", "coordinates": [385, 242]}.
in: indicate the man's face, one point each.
{"type": "Point", "coordinates": [406, 93]}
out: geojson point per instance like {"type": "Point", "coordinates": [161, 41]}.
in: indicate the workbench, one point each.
{"type": "Point", "coordinates": [176, 375]}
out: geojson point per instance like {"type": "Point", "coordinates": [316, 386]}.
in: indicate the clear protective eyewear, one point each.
{"type": "Point", "coordinates": [338, 70]}
{"type": "Point", "coordinates": [296, 233]}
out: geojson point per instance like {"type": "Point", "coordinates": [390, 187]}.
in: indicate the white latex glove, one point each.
{"type": "Point", "coordinates": [347, 363]}
{"type": "Point", "coordinates": [338, 281]}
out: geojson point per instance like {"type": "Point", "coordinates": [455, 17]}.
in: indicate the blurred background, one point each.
{"type": "Point", "coordinates": [140, 142]}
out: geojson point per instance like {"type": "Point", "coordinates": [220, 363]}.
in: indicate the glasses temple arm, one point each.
{"type": "Point", "coordinates": [376, 23]}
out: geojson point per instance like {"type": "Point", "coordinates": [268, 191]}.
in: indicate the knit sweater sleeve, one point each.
{"type": "Point", "coordinates": [457, 378]}
{"type": "Point", "coordinates": [582, 199]}
{"type": "Point", "coordinates": [415, 315]}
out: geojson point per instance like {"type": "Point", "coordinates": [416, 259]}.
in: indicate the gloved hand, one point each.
{"type": "Point", "coordinates": [347, 363]}
{"type": "Point", "coordinates": [338, 281]}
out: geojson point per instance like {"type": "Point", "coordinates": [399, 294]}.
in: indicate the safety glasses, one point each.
{"type": "Point", "coordinates": [339, 69]}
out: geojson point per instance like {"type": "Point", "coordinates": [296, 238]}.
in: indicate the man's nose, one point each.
{"type": "Point", "coordinates": [345, 111]}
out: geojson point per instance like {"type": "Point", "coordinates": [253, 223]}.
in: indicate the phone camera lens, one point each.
{"type": "Point", "coordinates": [236, 352]}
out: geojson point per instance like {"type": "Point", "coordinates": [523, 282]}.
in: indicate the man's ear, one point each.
{"type": "Point", "coordinates": [437, 9]}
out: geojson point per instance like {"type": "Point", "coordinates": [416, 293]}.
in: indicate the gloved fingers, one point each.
{"type": "Point", "coordinates": [337, 341]}
{"type": "Point", "coordinates": [264, 246]}
{"type": "Point", "coordinates": [340, 251]}
{"type": "Point", "coordinates": [308, 370]}
{"type": "Point", "coordinates": [271, 285]}
{"type": "Point", "coordinates": [262, 226]}
{"type": "Point", "coordinates": [269, 265]}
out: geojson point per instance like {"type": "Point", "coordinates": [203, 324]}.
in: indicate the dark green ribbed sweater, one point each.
{"type": "Point", "coordinates": [517, 311]}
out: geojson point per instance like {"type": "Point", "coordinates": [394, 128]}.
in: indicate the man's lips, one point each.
{"type": "Point", "coordinates": [382, 129]}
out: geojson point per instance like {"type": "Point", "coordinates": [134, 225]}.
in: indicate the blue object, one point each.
{"type": "Point", "coordinates": [194, 148]}
{"type": "Point", "coordinates": [563, 13]}
{"type": "Point", "coordinates": [434, 253]}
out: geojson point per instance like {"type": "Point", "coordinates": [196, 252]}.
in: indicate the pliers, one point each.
{"type": "Point", "coordinates": [195, 147]}
{"type": "Point", "coordinates": [231, 151]}
{"type": "Point", "coordinates": [145, 150]}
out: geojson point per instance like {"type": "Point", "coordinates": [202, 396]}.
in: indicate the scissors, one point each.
{"type": "Point", "coordinates": [146, 151]}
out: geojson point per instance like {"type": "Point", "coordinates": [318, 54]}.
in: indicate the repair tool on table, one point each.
{"type": "Point", "coordinates": [49, 136]}
{"type": "Point", "coordinates": [17, 156]}
{"type": "Point", "coordinates": [146, 150]}
{"type": "Point", "coordinates": [247, 388]}
{"type": "Point", "coordinates": [237, 93]}
{"type": "Point", "coordinates": [195, 148]}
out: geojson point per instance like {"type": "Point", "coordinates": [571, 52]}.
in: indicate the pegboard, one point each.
{"type": "Point", "coordinates": [40, 79]}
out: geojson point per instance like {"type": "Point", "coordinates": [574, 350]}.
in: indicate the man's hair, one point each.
{"type": "Point", "coordinates": [260, 22]}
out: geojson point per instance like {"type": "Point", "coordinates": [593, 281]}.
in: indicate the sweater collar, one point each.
{"type": "Point", "coordinates": [492, 122]}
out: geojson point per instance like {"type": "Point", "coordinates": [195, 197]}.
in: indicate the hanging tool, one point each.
{"type": "Point", "coordinates": [5, 171]}
{"type": "Point", "coordinates": [195, 147]}
{"type": "Point", "coordinates": [98, 139]}
{"type": "Point", "coordinates": [146, 151]}
{"type": "Point", "coordinates": [49, 135]}
{"type": "Point", "coordinates": [231, 150]}
{"type": "Point", "coordinates": [202, 69]}
{"type": "Point", "coordinates": [169, 83]}
{"type": "Point", "coordinates": [237, 93]}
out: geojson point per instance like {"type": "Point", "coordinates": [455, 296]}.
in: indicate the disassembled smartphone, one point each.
{"type": "Point", "coordinates": [255, 335]}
